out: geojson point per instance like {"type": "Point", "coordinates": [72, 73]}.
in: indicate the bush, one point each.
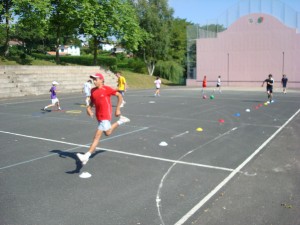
{"type": "Point", "coordinates": [137, 65]}
{"type": "Point", "coordinates": [170, 70]}
{"type": "Point", "coordinates": [85, 60]}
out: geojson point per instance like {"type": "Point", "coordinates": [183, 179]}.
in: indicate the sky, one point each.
{"type": "Point", "coordinates": [203, 11]}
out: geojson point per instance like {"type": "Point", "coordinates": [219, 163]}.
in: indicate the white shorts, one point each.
{"type": "Point", "coordinates": [54, 101]}
{"type": "Point", "coordinates": [104, 125]}
{"type": "Point", "coordinates": [87, 94]}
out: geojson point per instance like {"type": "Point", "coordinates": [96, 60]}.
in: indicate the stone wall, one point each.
{"type": "Point", "coordinates": [36, 80]}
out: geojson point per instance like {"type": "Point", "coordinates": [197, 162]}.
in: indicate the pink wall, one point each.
{"type": "Point", "coordinates": [248, 51]}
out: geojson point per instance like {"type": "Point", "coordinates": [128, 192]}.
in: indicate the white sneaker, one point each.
{"type": "Point", "coordinates": [123, 119]}
{"type": "Point", "coordinates": [122, 105]}
{"type": "Point", "coordinates": [83, 158]}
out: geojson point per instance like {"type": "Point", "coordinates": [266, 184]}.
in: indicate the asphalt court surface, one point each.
{"type": "Point", "coordinates": [195, 179]}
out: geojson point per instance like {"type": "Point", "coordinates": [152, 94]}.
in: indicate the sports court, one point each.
{"type": "Point", "coordinates": [158, 169]}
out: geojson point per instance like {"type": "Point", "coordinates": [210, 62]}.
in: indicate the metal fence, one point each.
{"type": "Point", "coordinates": [276, 8]}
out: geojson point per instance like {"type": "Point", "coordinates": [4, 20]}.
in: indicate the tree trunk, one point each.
{"type": "Point", "coordinates": [7, 21]}
{"type": "Point", "coordinates": [57, 60]}
{"type": "Point", "coordinates": [151, 67]}
{"type": "Point", "coordinates": [95, 50]}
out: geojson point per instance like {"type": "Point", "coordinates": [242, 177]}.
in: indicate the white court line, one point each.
{"type": "Point", "coordinates": [35, 159]}
{"type": "Point", "coordinates": [62, 142]}
{"type": "Point", "coordinates": [37, 100]}
{"type": "Point", "coordinates": [111, 150]}
{"type": "Point", "coordinates": [231, 175]}
{"type": "Point", "coordinates": [158, 193]}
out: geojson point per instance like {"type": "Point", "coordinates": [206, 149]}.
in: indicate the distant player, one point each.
{"type": "Point", "coordinates": [204, 84]}
{"type": "Point", "coordinates": [284, 81]}
{"type": "Point", "coordinates": [157, 83]}
{"type": "Point", "coordinates": [54, 99]}
{"type": "Point", "coordinates": [219, 84]}
{"type": "Point", "coordinates": [87, 91]}
{"type": "Point", "coordinates": [122, 86]}
{"type": "Point", "coordinates": [270, 83]}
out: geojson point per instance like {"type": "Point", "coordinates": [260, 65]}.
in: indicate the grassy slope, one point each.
{"type": "Point", "coordinates": [142, 81]}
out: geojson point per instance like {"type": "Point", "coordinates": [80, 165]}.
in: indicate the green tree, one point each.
{"type": "Point", "coordinates": [155, 18]}
{"type": "Point", "coordinates": [64, 20]}
{"type": "Point", "coordinates": [178, 41]}
{"type": "Point", "coordinates": [6, 14]}
{"type": "Point", "coordinates": [102, 20]}
{"type": "Point", "coordinates": [32, 25]}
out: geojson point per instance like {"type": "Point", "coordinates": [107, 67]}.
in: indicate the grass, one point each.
{"type": "Point", "coordinates": [142, 81]}
{"type": "Point", "coordinates": [36, 62]}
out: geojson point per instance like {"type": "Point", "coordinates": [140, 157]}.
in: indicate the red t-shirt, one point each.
{"type": "Point", "coordinates": [100, 97]}
{"type": "Point", "coordinates": [204, 83]}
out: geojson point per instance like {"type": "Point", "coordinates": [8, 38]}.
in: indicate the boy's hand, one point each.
{"type": "Point", "coordinates": [118, 112]}
{"type": "Point", "coordinates": [90, 112]}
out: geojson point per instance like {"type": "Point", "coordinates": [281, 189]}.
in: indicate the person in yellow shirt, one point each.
{"type": "Point", "coordinates": [122, 86]}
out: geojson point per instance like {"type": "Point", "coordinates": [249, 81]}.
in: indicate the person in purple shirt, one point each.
{"type": "Point", "coordinates": [54, 99]}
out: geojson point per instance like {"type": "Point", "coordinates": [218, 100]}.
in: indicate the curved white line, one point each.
{"type": "Point", "coordinates": [158, 198]}
{"type": "Point", "coordinates": [231, 175]}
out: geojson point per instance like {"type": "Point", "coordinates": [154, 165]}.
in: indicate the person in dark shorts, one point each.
{"type": "Point", "coordinates": [270, 83]}
{"type": "Point", "coordinates": [284, 81]}
{"type": "Point", "coordinates": [219, 84]}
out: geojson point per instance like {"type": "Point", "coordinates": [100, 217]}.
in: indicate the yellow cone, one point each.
{"type": "Point", "coordinates": [199, 129]}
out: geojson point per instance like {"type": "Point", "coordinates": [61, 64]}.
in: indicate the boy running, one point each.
{"type": "Point", "coordinates": [100, 98]}
{"type": "Point", "coordinates": [54, 99]}
{"type": "Point", "coordinates": [270, 83]}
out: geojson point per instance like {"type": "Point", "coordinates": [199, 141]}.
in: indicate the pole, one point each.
{"type": "Point", "coordinates": [227, 69]}
{"type": "Point", "coordinates": [282, 62]}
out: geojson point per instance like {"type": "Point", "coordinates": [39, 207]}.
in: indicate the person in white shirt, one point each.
{"type": "Point", "coordinates": [219, 84]}
{"type": "Point", "coordinates": [157, 83]}
{"type": "Point", "coordinates": [87, 91]}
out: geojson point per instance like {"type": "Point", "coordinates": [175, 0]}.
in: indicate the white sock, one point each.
{"type": "Point", "coordinates": [88, 154]}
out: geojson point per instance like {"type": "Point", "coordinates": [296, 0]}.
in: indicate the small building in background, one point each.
{"type": "Point", "coordinates": [69, 50]}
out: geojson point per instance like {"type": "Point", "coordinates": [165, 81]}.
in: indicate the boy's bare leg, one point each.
{"type": "Point", "coordinates": [95, 142]}
{"type": "Point", "coordinates": [84, 158]}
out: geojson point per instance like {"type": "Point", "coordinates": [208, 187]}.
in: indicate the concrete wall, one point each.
{"type": "Point", "coordinates": [250, 49]}
{"type": "Point", "coordinates": [36, 80]}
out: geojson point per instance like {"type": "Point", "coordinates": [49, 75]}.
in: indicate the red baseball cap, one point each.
{"type": "Point", "coordinates": [97, 75]}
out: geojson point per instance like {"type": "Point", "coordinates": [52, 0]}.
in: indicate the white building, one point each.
{"type": "Point", "coordinates": [69, 50]}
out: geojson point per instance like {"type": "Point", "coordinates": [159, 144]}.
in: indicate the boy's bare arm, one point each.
{"type": "Point", "coordinates": [89, 110]}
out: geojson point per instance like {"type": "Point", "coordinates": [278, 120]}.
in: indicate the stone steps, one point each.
{"type": "Point", "coordinates": [36, 80]}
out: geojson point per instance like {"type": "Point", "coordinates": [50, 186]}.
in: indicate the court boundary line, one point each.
{"type": "Point", "coordinates": [111, 150]}
{"type": "Point", "coordinates": [160, 186]}
{"type": "Point", "coordinates": [36, 100]}
{"type": "Point", "coordinates": [233, 173]}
